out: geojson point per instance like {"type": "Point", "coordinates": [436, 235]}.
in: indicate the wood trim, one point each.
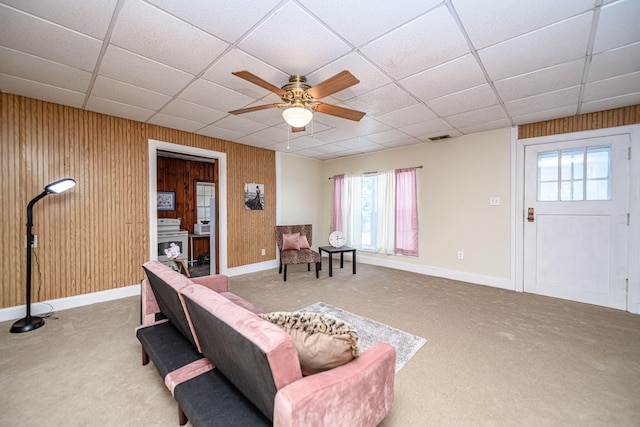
{"type": "Point", "coordinates": [583, 122]}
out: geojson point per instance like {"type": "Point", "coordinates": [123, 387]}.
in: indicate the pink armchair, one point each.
{"type": "Point", "coordinates": [296, 256]}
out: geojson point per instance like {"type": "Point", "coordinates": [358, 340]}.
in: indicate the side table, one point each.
{"type": "Point", "coordinates": [331, 250]}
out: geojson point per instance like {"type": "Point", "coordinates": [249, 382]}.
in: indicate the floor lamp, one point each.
{"type": "Point", "coordinates": [30, 322]}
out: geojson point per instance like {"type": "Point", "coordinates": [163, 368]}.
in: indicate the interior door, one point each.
{"type": "Point", "coordinates": [576, 220]}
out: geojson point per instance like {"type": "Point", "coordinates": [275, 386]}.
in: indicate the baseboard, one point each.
{"type": "Point", "coordinates": [13, 313]}
{"type": "Point", "coordinates": [252, 268]}
{"type": "Point", "coordinates": [477, 279]}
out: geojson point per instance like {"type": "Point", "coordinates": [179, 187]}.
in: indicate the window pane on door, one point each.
{"type": "Point", "coordinates": [599, 173]}
{"type": "Point", "coordinates": [572, 174]}
{"type": "Point", "coordinates": [548, 176]}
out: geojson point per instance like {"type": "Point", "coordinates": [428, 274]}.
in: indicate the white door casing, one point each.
{"type": "Point", "coordinates": [578, 249]}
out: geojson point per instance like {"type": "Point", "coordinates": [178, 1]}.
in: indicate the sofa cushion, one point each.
{"type": "Point", "coordinates": [291, 242]}
{"type": "Point", "coordinates": [256, 357]}
{"type": "Point", "coordinates": [322, 342]}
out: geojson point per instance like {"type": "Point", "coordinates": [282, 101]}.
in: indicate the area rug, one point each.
{"type": "Point", "coordinates": [371, 332]}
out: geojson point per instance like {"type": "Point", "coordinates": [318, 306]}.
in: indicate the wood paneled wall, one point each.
{"type": "Point", "coordinates": [583, 122]}
{"type": "Point", "coordinates": [96, 236]}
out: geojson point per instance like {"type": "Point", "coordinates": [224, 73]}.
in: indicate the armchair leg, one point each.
{"type": "Point", "coordinates": [280, 270]}
{"type": "Point", "coordinates": [308, 266]}
{"type": "Point", "coordinates": [317, 270]}
{"type": "Point", "coordinates": [285, 272]}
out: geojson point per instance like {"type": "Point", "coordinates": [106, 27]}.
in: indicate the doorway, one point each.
{"type": "Point", "coordinates": [221, 232]}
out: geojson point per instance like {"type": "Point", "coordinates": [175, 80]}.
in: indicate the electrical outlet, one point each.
{"type": "Point", "coordinates": [460, 255]}
{"type": "Point", "coordinates": [264, 252]}
{"type": "Point", "coordinates": [34, 241]}
{"type": "Point", "coordinates": [494, 201]}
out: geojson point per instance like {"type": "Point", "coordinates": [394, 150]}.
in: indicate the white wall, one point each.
{"type": "Point", "coordinates": [454, 186]}
{"type": "Point", "coordinates": [299, 196]}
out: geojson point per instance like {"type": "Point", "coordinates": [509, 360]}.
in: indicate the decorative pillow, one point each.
{"type": "Point", "coordinates": [291, 242]}
{"type": "Point", "coordinates": [323, 342]}
{"type": "Point", "coordinates": [304, 243]}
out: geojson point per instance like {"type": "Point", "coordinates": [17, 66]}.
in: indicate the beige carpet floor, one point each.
{"type": "Point", "coordinates": [492, 357]}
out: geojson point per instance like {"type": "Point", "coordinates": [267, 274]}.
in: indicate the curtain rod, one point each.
{"type": "Point", "coordinates": [367, 173]}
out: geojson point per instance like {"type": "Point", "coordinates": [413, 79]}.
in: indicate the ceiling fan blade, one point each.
{"type": "Point", "coordinates": [250, 77]}
{"type": "Point", "coordinates": [256, 108]}
{"type": "Point", "coordinates": [333, 84]}
{"type": "Point", "coordinates": [299, 129]}
{"type": "Point", "coordinates": [341, 112]}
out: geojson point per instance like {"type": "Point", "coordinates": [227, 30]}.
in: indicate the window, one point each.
{"type": "Point", "coordinates": [575, 174]}
{"type": "Point", "coordinates": [378, 212]}
{"type": "Point", "coordinates": [205, 191]}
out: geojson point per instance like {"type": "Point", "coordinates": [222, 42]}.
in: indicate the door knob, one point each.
{"type": "Point", "coordinates": [530, 215]}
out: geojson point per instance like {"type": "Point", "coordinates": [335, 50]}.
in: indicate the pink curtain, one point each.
{"type": "Point", "coordinates": [336, 217]}
{"type": "Point", "coordinates": [406, 224]}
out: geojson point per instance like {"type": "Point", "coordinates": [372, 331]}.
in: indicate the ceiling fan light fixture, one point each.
{"type": "Point", "coordinates": [297, 116]}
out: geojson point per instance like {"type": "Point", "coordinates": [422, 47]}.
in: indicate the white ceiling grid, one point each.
{"type": "Point", "coordinates": [426, 67]}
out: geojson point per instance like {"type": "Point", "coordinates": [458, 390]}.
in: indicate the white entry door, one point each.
{"type": "Point", "coordinates": [576, 220]}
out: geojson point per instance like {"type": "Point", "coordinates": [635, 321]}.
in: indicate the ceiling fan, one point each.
{"type": "Point", "coordinates": [301, 100]}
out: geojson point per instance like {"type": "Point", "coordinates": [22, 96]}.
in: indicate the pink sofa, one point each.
{"type": "Point", "coordinates": [227, 366]}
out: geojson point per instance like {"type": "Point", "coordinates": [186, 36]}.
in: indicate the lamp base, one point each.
{"type": "Point", "coordinates": [27, 324]}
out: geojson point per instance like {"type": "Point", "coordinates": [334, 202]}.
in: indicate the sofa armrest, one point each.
{"type": "Point", "coordinates": [358, 393]}
{"type": "Point", "coordinates": [149, 304]}
{"type": "Point", "coordinates": [216, 282]}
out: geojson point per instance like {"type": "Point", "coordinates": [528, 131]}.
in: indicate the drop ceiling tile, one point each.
{"type": "Point", "coordinates": [88, 17]}
{"type": "Point", "coordinates": [365, 126]}
{"type": "Point", "coordinates": [236, 60]}
{"type": "Point", "coordinates": [477, 117]}
{"type": "Point", "coordinates": [382, 100]}
{"type": "Point", "coordinates": [427, 128]}
{"type": "Point", "coordinates": [214, 96]}
{"type": "Point", "coordinates": [255, 141]}
{"type": "Point", "coordinates": [610, 88]}
{"type": "Point", "coordinates": [328, 148]}
{"type": "Point", "coordinates": [290, 53]}
{"type": "Point", "coordinates": [220, 133]}
{"type": "Point", "coordinates": [332, 135]}
{"type": "Point", "coordinates": [548, 46]}
{"type": "Point", "coordinates": [428, 41]}
{"type": "Point", "coordinates": [175, 42]}
{"type": "Point", "coordinates": [119, 63]}
{"type": "Point", "coordinates": [40, 70]}
{"type": "Point", "coordinates": [387, 136]}
{"type": "Point", "coordinates": [466, 100]}
{"type": "Point", "coordinates": [188, 110]}
{"type": "Point", "coordinates": [453, 76]}
{"type": "Point", "coordinates": [514, 17]}
{"type": "Point", "coordinates": [610, 103]}
{"type": "Point", "coordinates": [546, 101]}
{"type": "Point", "coordinates": [312, 154]}
{"type": "Point", "coordinates": [38, 37]}
{"type": "Point", "coordinates": [112, 108]}
{"type": "Point", "coordinates": [370, 77]}
{"type": "Point", "coordinates": [174, 122]}
{"type": "Point", "coordinates": [617, 25]}
{"type": "Point", "coordinates": [483, 127]}
{"type": "Point", "coordinates": [231, 122]}
{"type": "Point", "coordinates": [402, 142]}
{"type": "Point", "coordinates": [355, 143]}
{"type": "Point", "coordinates": [406, 116]}
{"type": "Point", "coordinates": [214, 16]}
{"type": "Point", "coordinates": [546, 80]}
{"type": "Point", "coordinates": [545, 115]}
{"type": "Point", "coordinates": [615, 62]}
{"type": "Point", "coordinates": [124, 93]}
{"type": "Point", "coordinates": [360, 21]}
{"type": "Point", "coordinates": [35, 90]}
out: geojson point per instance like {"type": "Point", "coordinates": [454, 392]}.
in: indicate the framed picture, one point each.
{"type": "Point", "coordinates": [253, 196]}
{"type": "Point", "coordinates": [166, 200]}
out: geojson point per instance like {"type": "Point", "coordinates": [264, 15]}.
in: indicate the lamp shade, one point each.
{"type": "Point", "coordinates": [297, 116]}
{"type": "Point", "coordinates": [60, 186]}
